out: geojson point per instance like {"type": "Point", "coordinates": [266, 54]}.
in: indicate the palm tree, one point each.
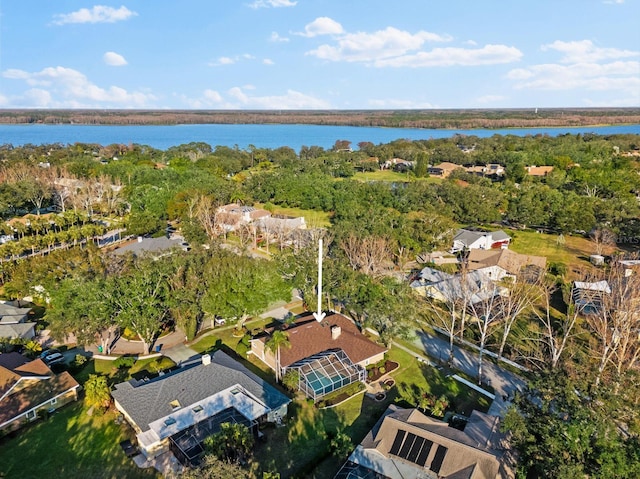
{"type": "Point", "coordinates": [278, 340]}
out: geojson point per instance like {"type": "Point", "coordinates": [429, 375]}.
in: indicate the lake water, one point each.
{"type": "Point", "coordinates": [261, 136]}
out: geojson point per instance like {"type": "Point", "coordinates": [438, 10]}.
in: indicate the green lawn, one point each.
{"type": "Point", "coordinates": [392, 176]}
{"type": "Point", "coordinates": [70, 444]}
{"type": "Point", "coordinates": [414, 378]}
{"type": "Point", "coordinates": [574, 252]}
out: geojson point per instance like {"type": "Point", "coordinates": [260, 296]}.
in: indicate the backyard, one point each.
{"type": "Point", "coordinates": [308, 429]}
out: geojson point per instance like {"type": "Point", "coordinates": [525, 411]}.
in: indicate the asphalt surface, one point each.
{"type": "Point", "coordinates": [504, 382]}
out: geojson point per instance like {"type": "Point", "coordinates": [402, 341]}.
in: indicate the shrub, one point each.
{"type": "Point", "coordinates": [291, 379]}
{"type": "Point", "coordinates": [124, 362]}
{"type": "Point", "coordinates": [79, 360]}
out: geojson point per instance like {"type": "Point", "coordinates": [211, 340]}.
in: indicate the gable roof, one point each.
{"type": "Point", "coordinates": [17, 330]}
{"type": "Point", "coordinates": [39, 385]}
{"type": "Point", "coordinates": [468, 237]}
{"type": "Point", "coordinates": [145, 245]}
{"type": "Point", "coordinates": [12, 314]}
{"type": "Point", "coordinates": [308, 337]}
{"type": "Point", "coordinates": [508, 260]}
{"type": "Point", "coordinates": [462, 455]}
{"type": "Point", "coordinates": [147, 402]}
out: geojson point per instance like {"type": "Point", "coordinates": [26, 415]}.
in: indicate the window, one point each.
{"type": "Point", "coordinates": [175, 404]}
{"type": "Point", "coordinates": [169, 421]}
{"type": "Point", "coordinates": [53, 401]}
{"type": "Point", "coordinates": [31, 414]}
{"type": "Point", "coordinates": [197, 409]}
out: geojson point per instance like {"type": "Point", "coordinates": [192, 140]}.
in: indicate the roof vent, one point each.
{"type": "Point", "coordinates": [206, 359]}
{"type": "Point", "coordinates": [335, 332]}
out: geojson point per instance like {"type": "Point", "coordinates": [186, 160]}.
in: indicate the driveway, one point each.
{"type": "Point", "coordinates": [504, 382]}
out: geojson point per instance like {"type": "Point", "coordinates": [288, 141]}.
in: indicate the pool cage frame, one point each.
{"type": "Point", "coordinates": [334, 365]}
{"type": "Point", "coordinates": [187, 445]}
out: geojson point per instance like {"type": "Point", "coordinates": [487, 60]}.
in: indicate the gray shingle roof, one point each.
{"type": "Point", "coordinates": [149, 401]}
{"type": "Point", "coordinates": [153, 245]}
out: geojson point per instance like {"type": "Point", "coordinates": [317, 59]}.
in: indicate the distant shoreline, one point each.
{"type": "Point", "coordinates": [422, 119]}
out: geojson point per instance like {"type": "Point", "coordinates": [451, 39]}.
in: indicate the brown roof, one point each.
{"type": "Point", "coordinates": [463, 457]}
{"type": "Point", "coordinates": [34, 394]}
{"type": "Point", "coordinates": [506, 259]}
{"type": "Point", "coordinates": [539, 170]}
{"type": "Point", "coordinates": [308, 337]}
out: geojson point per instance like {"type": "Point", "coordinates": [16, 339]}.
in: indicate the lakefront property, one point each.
{"type": "Point", "coordinates": [181, 297]}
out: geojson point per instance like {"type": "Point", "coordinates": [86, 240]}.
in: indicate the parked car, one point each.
{"type": "Point", "coordinates": [45, 354]}
{"type": "Point", "coordinates": [55, 358]}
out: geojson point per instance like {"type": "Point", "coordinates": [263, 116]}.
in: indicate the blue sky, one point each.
{"type": "Point", "coordinates": [319, 54]}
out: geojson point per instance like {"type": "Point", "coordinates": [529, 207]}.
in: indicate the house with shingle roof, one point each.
{"type": "Point", "coordinates": [178, 410]}
{"type": "Point", "coordinates": [327, 354]}
{"type": "Point", "coordinates": [499, 263]}
{"type": "Point", "coordinates": [443, 170]}
{"type": "Point", "coordinates": [158, 247]}
{"type": "Point", "coordinates": [13, 322]}
{"type": "Point", "coordinates": [28, 387]}
{"type": "Point", "coordinates": [406, 443]}
{"type": "Point", "coordinates": [466, 240]}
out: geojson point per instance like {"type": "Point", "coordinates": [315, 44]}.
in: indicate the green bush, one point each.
{"type": "Point", "coordinates": [124, 362]}
{"type": "Point", "coordinates": [242, 349]}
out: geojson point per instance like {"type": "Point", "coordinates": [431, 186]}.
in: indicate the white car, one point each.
{"type": "Point", "coordinates": [54, 358]}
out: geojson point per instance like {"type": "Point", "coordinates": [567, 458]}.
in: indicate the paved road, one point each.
{"type": "Point", "coordinates": [504, 382]}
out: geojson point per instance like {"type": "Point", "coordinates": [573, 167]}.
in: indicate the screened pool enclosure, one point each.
{"type": "Point", "coordinates": [326, 372]}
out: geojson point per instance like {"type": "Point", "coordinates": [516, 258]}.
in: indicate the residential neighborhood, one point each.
{"type": "Point", "coordinates": [291, 318]}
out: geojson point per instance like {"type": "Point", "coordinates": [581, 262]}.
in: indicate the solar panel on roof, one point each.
{"type": "Point", "coordinates": [395, 448]}
{"type": "Point", "coordinates": [415, 449]}
{"type": "Point", "coordinates": [408, 443]}
{"type": "Point", "coordinates": [424, 453]}
{"type": "Point", "coordinates": [436, 464]}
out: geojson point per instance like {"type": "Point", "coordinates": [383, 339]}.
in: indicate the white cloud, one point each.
{"type": "Point", "coordinates": [276, 38]}
{"type": "Point", "coordinates": [114, 59]}
{"type": "Point", "coordinates": [392, 47]}
{"type": "Point", "coordinates": [68, 88]}
{"type": "Point", "coordinates": [272, 3]}
{"type": "Point", "coordinates": [322, 26]}
{"type": "Point", "coordinates": [368, 47]}
{"type": "Point", "coordinates": [292, 100]}
{"type": "Point", "coordinates": [213, 96]}
{"type": "Point", "coordinates": [615, 76]}
{"type": "Point", "coordinates": [97, 14]}
{"type": "Point", "coordinates": [585, 51]}
{"type": "Point", "coordinates": [268, 61]}
{"type": "Point", "coordinates": [223, 61]}
{"type": "Point", "coordinates": [231, 60]}
{"type": "Point", "coordinates": [445, 57]}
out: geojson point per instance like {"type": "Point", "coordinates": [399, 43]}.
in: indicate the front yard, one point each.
{"type": "Point", "coordinates": [70, 444]}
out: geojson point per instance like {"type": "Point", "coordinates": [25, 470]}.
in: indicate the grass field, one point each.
{"type": "Point", "coordinates": [313, 218]}
{"type": "Point", "coordinates": [392, 176]}
{"type": "Point", "coordinates": [573, 251]}
{"type": "Point", "coordinates": [70, 444]}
